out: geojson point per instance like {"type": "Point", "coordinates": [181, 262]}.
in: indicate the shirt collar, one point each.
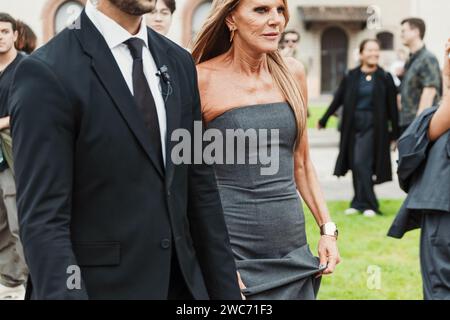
{"type": "Point", "coordinates": [113, 33]}
{"type": "Point", "coordinates": [418, 53]}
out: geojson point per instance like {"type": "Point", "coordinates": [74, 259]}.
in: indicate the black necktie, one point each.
{"type": "Point", "coordinates": [143, 96]}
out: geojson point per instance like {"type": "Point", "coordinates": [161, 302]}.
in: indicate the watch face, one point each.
{"type": "Point", "coordinates": [330, 229]}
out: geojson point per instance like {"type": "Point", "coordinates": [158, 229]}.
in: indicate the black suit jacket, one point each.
{"type": "Point", "coordinates": [88, 191]}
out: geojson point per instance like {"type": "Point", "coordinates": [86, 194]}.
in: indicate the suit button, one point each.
{"type": "Point", "coordinates": [169, 193]}
{"type": "Point", "coordinates": [165, 243]}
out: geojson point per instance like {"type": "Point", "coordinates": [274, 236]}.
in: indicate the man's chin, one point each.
{"type": "Point", "coordinates": [134, 7]}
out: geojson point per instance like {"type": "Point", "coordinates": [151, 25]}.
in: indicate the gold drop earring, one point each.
{"type": "Point", "coordinates": [232, 34]}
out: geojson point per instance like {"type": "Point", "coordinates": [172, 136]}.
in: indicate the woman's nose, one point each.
{"type": "Point", "coordinates": [275, 17]}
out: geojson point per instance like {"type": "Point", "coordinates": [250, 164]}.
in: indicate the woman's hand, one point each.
{"type": "Point", "coordinates": [4, 123]}
{"type": "Point", "coordinates": [328, 254]}
{"type": "Point", "coordinates": [241, 285]}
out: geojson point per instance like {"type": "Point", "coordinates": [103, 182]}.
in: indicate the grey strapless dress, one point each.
{"type": "Point", "coordinates": [264, 213]}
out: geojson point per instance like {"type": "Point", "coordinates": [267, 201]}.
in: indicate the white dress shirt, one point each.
{"type": "Point", "coordinates": [115, 37]}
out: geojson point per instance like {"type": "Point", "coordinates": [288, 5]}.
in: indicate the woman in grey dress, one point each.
{"type": "Point", "coordinates": [247, 87]}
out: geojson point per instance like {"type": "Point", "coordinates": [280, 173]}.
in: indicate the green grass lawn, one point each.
{"type": "Point", "coordinates": [315, 113]}
{"type": "Point", "coordinates": [363, 243]}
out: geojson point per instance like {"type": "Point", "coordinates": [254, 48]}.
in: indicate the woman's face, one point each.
{"type": "Point", "coordinates": [258, 24]}
{"type": "Point", "coordinates": [160, 18]}
{"type": "Point", "coordinates": [371, 54]}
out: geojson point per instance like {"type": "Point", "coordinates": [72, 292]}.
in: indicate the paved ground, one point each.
{"type": "Point", "coordinates": [324, 152]}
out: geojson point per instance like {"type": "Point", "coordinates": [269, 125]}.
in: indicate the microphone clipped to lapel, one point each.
{"type": "Point", "coordinates": [163, 74]}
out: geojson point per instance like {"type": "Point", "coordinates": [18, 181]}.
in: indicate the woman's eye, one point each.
{"type": "Point", "coordinates": [281, 9]}
{"type": "Point", "coordinates": [261, 10]}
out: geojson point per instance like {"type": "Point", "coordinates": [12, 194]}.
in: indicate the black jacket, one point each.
{"type": "Point", "coordinates": [424, 173]}
{"type": "Point", "coordinates": [88, 190]}
{"type": "Point", "coordinates": [385, 121]}
{"type": "Point", "coordinates": [6, 78]}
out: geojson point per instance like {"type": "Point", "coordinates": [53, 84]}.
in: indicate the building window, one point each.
{"type": "Point", "coordinates": [58, 14]}
{"type": "Point", "coordinates": [66, 14]}
{"type": "Point", "coordinates": [199, 16]}
{"type": "Point", "coordinates": [194, 14]}
{"type": "Point", "coordinates": [386, 40]}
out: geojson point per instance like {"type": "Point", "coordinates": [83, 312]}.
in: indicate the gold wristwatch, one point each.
{"type": "Point", "coordinates": [329, 229]}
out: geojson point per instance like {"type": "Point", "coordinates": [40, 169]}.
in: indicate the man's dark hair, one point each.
{"type": "Point", "coordinates": [290, 31]}
{"type": "Point", "coordinates": [27, 40]}
{"type": "Point", "coordinates": [4, 17]}
{"type": "Point", "coordinates": [170, 4]}
{"type": "Point", "coordinates": [416, 23]}
{"type": "Point", "coordinates": [363, 44]}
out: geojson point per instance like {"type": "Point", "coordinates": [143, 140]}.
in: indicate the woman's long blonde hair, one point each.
{"type": "Point", "coordinates": [214, 40]}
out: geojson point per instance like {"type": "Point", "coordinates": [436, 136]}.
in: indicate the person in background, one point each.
{"type": "Point", "coordinates": [424, 172]}
{"type": "Point", "coordinates": [160, 19]}
{"type": "Point", "coordinates": [13, 270]}
{"type": "Point", "coordinates": [422, 84]}
{"type": "Point", "coordinates": [289, 43]}
{"type": "Point", "coordinates": [26, 41]}
{"type": "Point", "coordinates": [369, 125]}
{"type": "Point", "coordinates": [397, 68]}
{"type": "Point", "coordinates": [289, 47]}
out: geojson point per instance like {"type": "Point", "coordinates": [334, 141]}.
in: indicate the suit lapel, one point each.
{"type": "Point", "coordinates": [108, 72]}
{"type": "Point", "coordinates": [161, 55]}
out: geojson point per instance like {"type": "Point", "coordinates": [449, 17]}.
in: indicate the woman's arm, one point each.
{"type": "Point", "coordinates": [337, 102]}
{"type": "Point", "coordinates": [311, 192]}
{"type": "Point", "coordinates": [440, 123]}
{"type": "Point", "coordinates": [392, 107]}
{"type": "Point", "coordinates": [309, 188]}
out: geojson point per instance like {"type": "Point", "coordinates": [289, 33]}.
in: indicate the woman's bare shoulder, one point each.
{"type": "Point", "coordinates": [205, 70]}
{"type": "Point", "coordinates": [296, 67]}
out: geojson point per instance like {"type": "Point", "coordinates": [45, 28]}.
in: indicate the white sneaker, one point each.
{"type": "Point", "coordinates": [369, 213]}
{"type": "Point", "coordinates": [16, 293]}
{"type": "Point", "coordinates": [351, 211]}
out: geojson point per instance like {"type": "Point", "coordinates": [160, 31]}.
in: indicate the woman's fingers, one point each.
{"type": "Point", "coordinates": [241, 285]}
{"type": "Point", "coordinates": [332, 262]}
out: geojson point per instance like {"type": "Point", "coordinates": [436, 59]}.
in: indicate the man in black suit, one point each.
{"type": "Point", "coordinates": [96, 187]}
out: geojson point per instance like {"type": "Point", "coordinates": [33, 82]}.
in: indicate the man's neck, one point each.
{"type": "Point", "coordinates": [369, 68]}
{"type": "Point", "coordinates": [6, 58]}
{"type": "Point", "coordinates": [416, 46]}
{"type": "Point", "coordinates": [128, 22]}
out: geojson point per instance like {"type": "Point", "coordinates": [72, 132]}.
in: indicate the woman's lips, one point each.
{"type": "Point", "coordinates": [271, 35]}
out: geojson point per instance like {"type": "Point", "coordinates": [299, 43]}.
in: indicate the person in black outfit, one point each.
{"type": "Point", "coordinates": [369, 124]}
{"type": "Point", "coordinates": [13, 269]}
{"type": "Point", "coordinates": [424, 173]}
{"type": "Point", "coordinates": [104, 211]}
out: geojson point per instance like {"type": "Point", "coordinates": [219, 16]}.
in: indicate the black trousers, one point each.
{"type": "Point", "coordinates": [435, 255]}
{"type": "Point", "coordinates": [178, 289]}
{"type": "Point", "coordinates": [363, 157]}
